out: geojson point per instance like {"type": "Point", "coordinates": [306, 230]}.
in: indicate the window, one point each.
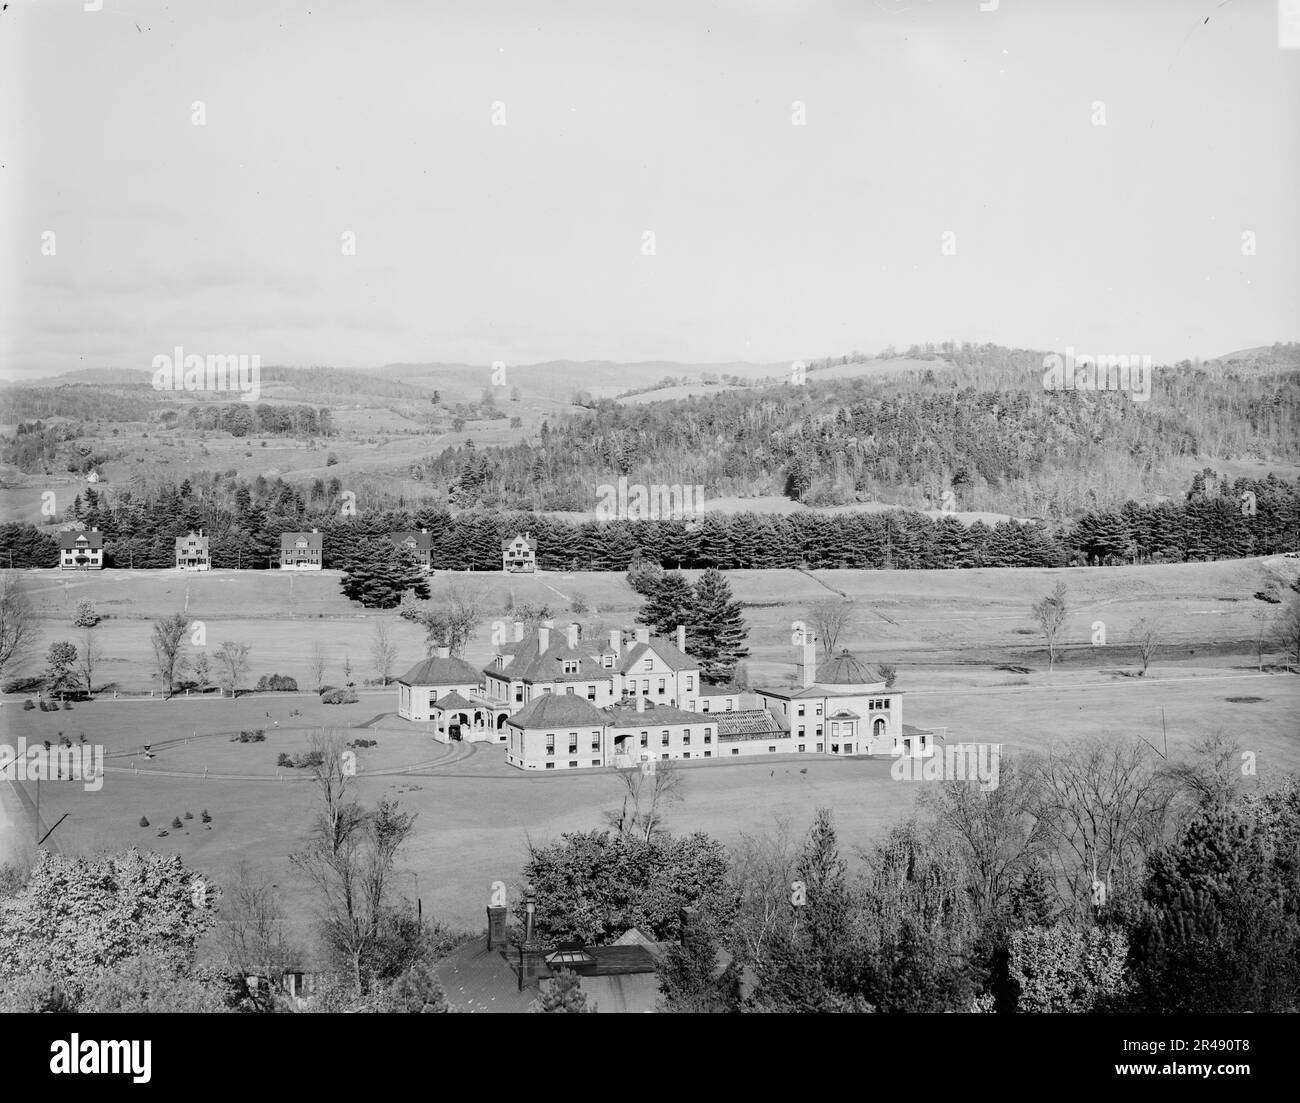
{"type": "Point", "coordinates": [433, 696]}
{"type": "Point", "coordinates": [771, 750]}
{"type": "Point", "coordinates": [708, 738]}
{"type": "Point", "coordinates": [819, 711]}
{"type": "Point", "coordinates": [661, 687]}
{"type": "Point", "coordinates": [663, 756]}
{"type": "Point", "coordinates": [801, 746]}
{"type": "Point", "coordinates": [686, 754]}
{"type": "Point", "coordinates": [595, 762]}
{"type": "Point", "coordinates": [819, 729]}
{"type": "Point", "coordinates": [800, 732]}
{"type": "Point", "coordinates": [690, 682]}
{"type": "Point", "coordinates": [885, 703]}
{"type": "Point", "coordinates": [800, 711]}
{"type": "Point", "coordinates": [519, 694]}
{"type": "Point", "coordinates": [591, 693]}
{"type": "Point", "coordinates": [663, 739]}
{"type": "Point", "coordinates": [706, 705]}
{"type": "Point", "coordinates": [649, 664]}
{"type": "Point", "coordinates": [735, 750]}
{"type": "Point", "coordinates": [550, 765]}
{"type": "Point", "coordinates": [686, 738]}
{"type": "Point", "coordinates": [708, 754]}
{"type": "Point", "coordinates": [573, 762]}
{"type": "Point", "coordinates": [568, 690]}
{"type": "Point", "coordinates": [848, 748]}
{"type": "Point", "coordinates": [820, 747]}
{"type": "Point", "coordinates": [550, 744]}
{"type": "Point", "coordinates": [573, 742]}
{"type": "Point", "coordinates": [595, 741]}
{"type": "Point", "coordinates": [608, 662]}
{"type": "Point", "coordinates": [645, 739]}
{"type": "Point", "coordinates": [570, 666]}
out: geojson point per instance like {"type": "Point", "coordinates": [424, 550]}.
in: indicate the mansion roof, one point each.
{"type": "Point", "coordinates": [438, 671]}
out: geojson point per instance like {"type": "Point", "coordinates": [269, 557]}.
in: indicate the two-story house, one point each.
{"type": "Point", "coordinates": [81, 551]}
{"type": "Point", "coordinates": [519, 554]}
{"type": "Point", "coordinates": [447, 694]}
{"type": "Point", "coordinates": [301, 551]}
{"type": "Point", "coordinates": [192, 552]}
{"type": "Point", "coordinates": [420, 544]}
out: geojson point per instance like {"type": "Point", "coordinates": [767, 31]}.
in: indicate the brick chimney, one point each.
{"type": "Point", "coordinates": [808, 663]}
{"type": "Point", "coordinates": [571, 634]}
{"type": "Point", "coordinates": [681, 638]}
{"type": "Point", "coordinates": [616, 642]}
{"type": "Point", "coordinates": [643, 635]}
{"type": "Point", "coordinates": [640, 702]}
{"type": "Point", "coordinates": [442, 652]}
{"type": "Point", "coordinates": [519, 631]}
{"type": "Point", "coordinates": [543, 639]}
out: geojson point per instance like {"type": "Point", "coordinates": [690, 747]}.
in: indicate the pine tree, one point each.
{"type": "Point", "coordinates": [717, 628]}
{"type": "Point", "coordinates": [378, 574]}
{"type": "Point", "coordinates": [670, 601]}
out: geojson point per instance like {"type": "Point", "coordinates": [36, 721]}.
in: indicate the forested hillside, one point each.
{"type": "Point", "coordinates": [979, 425]}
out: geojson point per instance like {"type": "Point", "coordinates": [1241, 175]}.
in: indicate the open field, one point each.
{"type": "Point", "coordinates": [947, 631]}
{"type": "Point", "coordinates": [971, 620]}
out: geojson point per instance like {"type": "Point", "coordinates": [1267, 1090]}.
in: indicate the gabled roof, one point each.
{"type": "Point", "coordinates": [192, 538]}
{"type": "Point", "coordinates": [624, 716]}
{"type": "Point", "coordinates": [94, 539]}
{"type": "Point", "coordinates": [531, 541]}
{"type": "Point", "coordinates": [558, 710]}
{"type": "Point", "coordinates": [437, 671]}
{"type": "Point", "coordinates": [664, 648]}
{"type": "Point", "coordinates": [454, 700]}
{"type": "Point", "coordinates": [289, 539]}
{"type": "Point", "coordinates": [526, 665]}
{"type": "Point", "coordinates": [421, 541]}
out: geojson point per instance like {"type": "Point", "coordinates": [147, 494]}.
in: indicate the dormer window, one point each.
{"type": "Point", "coordinates": [570, 666]}
{"type": "Point", "coordinates": [608, 662]}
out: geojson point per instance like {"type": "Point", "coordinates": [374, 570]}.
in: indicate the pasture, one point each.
{"type": "Point", "coordinates": [948, 632]}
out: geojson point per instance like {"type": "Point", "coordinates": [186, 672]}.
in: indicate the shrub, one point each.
{"type": "Point", "coordinates": [144, 822]}
{"type": "Point", "coordinates": [283, 760]}
{"type": "Point", "coordinates": [67, 706]}
{"type": "Point", "coordinates": [324, 690]}
{"type": "Point", "coordinates": [361, 744]}
{"type": "Point", "coordinates": [86, 617]}
{"type": "Point", "coordinates": [163, 832]}
{"type": "Point", "coordinates": [28, 705]}
{"type": "Point", "coordinates": [176, 823]}
{"type": "Point", "coordinates": [339, 697]}
{"type": "Point", "coordinates": [206, 818]}
{"type": "Point", "coordinates": [281, 683]}
{"type": "Point", "coordinates": [189, 815]}
{"type": "Point", "coordinates": [579, 604]}
{"type": "Point", "coordinates": [310, 759]}
{"type": "Point", "coordinates": [258, 736]}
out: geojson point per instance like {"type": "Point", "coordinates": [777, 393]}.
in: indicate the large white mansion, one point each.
{"type": "Point", "coordinates": [559, 702]}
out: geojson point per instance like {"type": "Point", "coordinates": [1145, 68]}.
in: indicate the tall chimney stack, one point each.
{"type": "Point", "coordinates": [571, 634]}
{"type": "Point", "coordinates": [519, 631]}
{"type": "Point", "coordinates": [808, 665]}
{"type": "Point", "coordinates": [615, 641]}
{"type": "Point", "coordinates": [643, 635]}
{"type": "Point", "coordinates": [543, 640]}
{"type": "Point", "coordinates": [681, 638]}
{"type": "Point", "coordinates": [443, 652]}
{"type": "Point", "coordinates": [640, 703]}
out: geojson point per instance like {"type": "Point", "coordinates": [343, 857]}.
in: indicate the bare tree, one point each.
{"type": "Point", "coordinates": [1146, 638]}
{"type": "Point", "coordinates": [762, 871]}
{"type": "Point", "coordinates": [1050, 615]}
{"type": "Point", "coordinates": [169, 647]}
{"type": "Point", "coordinates": [450, 621]}
{"type": "Point", "coordinates": [202, 671]}
{"type": "Point", "coordinates": [383, 649]}
{"type": "Point", "coordinates": [316, 663]}
{"type": "Point", "coordinates": [1210, 772]}
{"type": "Point", "coordinates": [19, 627]}
{"type": "Point", "coordinates": [253, 935]}
{"type": "Point", "coordinates": [1105, 804]}
{"type": "Point", "coordinates": [1265, 631]}
{"type": "Point", "coordinates": [1288, 631]}
{"type": "Point", "coordinates": [646, 796]}
{"type": "Point", "coordinates": [999, 832]}
{"type": "Point", "coordinates": [349, 857]}
{"type": "Point", "coordinates": [232, 664]}
{"type": "Point", "coordinates": [831, 619]}
{"type": "Point", "coordinates": [89, 657]}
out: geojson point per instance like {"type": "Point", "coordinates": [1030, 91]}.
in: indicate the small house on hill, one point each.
{"type": "Point", "coordinates": [519, 555]}
{"type": "Point", "coordinates": [301, 551]}
{"type": "Point", "coordinates": [81, 551]}
{"type": "Point", "coordinates": [420, 544]}
{"type": "Point", "coordinates": [192, 553]}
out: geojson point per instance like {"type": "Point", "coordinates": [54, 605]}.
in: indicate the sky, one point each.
{"type": "Point", "coordinates": [818, 177]}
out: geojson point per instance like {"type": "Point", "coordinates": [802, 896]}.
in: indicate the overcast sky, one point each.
{"type": "Point", "coordinates": [772, 241]}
